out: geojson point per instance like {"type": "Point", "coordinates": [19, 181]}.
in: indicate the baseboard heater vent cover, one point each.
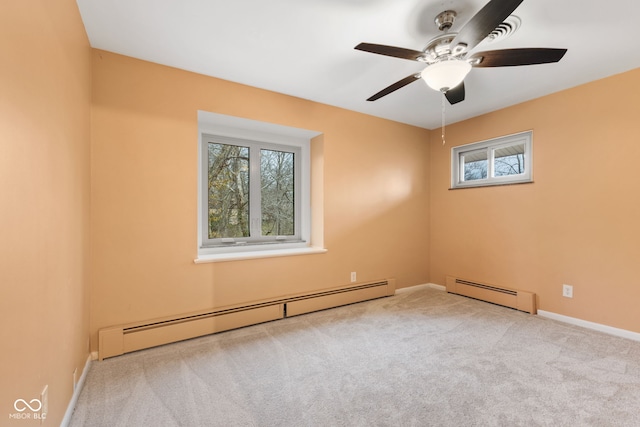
{"type": "Point", "coordinates": [117, 340]}
{"type": "Point", "coordinates": [513, 298]}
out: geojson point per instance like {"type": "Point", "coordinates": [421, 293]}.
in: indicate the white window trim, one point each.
{"type": "Point", "coordinates": [239, 128]}
{"type": "Point", "coordinates": [239, 256]}
{"type": "Point", "coordinates": [457, 170]}
{"type": "Point", "coordinates": [254, 148]}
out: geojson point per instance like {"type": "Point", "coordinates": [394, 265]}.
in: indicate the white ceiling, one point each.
{"type": "Point", "coordinates": [304, 48]}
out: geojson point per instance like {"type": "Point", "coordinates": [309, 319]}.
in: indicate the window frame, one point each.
{"type": "Point", "coordinates": [253, 243]}
{"type": "Point", "coordinates": [243, 128]}
{"type": "Point", "coordinates": [255, 199]}
{"type": "Point", "coordinates": [490, 146]}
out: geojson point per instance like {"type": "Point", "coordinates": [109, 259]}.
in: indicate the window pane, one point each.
{"type": "Point", "coordinates": [498, 161]}
{"type": "Point", "coordinates": [509, 160]}
{"type": "Point", "coordinates": [277, 184]}
{"type": "Point", "coordinates": [228, 191]}
{"type": "Point", "coordinates": [475, 165]}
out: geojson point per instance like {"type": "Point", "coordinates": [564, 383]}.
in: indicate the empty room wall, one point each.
{"type": "Point", "coordinates": [45, 84]}
{"type": "Point", "coordinates": [578, 223]}
{"type": "Point", "coordinates": [144, 196]}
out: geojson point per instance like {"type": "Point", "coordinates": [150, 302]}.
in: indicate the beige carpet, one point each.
{"type": "Point", "coordinates": [420, 358]}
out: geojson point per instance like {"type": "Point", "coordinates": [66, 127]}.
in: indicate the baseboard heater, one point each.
{"type": "Point", "coordinates": [117, 340]}
{"type": "Point", "coordinates": [514, 298]}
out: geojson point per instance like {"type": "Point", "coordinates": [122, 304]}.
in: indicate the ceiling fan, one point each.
{"type": "Point", "coordinates": [448, 55]}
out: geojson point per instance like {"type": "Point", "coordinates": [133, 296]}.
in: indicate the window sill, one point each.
{"type": "Point", "coordinates": [239, 256]}
{"type": "Point", "coordinates": [496, 184]}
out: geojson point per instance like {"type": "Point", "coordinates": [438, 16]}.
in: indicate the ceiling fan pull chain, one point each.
{"type": "Point", "coordinates": [443, 107]}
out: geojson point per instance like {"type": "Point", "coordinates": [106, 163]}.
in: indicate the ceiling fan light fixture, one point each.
{"type": "Point", "coordinates": [445, 75]}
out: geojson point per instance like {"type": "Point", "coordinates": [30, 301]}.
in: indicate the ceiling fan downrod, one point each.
{"type": "Point", "coordinates": [444, 21]}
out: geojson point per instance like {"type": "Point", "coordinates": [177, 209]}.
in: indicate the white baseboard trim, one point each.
{"type": "Point", "coordinates": [410, 289]}
{"type": "Point", "coordinates": [622, 333]}
{"type": "Point", "coordinates": [437, 287]}
{"type": "Point", "coordinates": [418, 287]}
{"type": "Point", "coordinates": [76, 393]}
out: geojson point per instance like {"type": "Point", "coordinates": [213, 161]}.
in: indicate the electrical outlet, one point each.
{"type": "Point", "coordinates": [567, 291]}
{"type": "Point", "coordinates": [353, 276]}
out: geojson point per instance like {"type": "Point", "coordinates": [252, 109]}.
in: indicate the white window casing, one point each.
{"type": "Point", "coordinates": [255, 238]}
{"type": "Point", "coordinates": [499, 161]}
{"type": "Point", "coordinates": [227, 129]}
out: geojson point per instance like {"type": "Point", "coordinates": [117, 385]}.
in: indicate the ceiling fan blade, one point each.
{"type": "Point", "coordinates": [515, 57]}
{"type": "Point", "coordinates": [483, 23]}
{"type": "Point", "coordinates": [396, 52]}
{"type": "Point", "coordinates": [456, 94]}
{"type": "Point", "coordinates": [397, 85]}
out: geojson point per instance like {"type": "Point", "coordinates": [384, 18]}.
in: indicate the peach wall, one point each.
{"type": "Point", "coordinates": [44, 209]}
{"type": "Point", "coordinates": [578, 223]}
{"type": "Point", "coordinates": [144, 195]}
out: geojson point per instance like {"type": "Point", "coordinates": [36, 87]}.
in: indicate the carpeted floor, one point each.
{"type": "Point", "coordinates": [420, 358]}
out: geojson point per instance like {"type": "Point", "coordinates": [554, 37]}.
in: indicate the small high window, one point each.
{"type": "Point", "coordinates": [499, 161]}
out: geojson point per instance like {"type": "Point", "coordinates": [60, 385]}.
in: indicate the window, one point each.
{"type": "Point", "coordinates": [252, 192]}
{"type": "Point", "coordinates": [254, 189]}
{"type": "Point", "coordinates": [499, 161]}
